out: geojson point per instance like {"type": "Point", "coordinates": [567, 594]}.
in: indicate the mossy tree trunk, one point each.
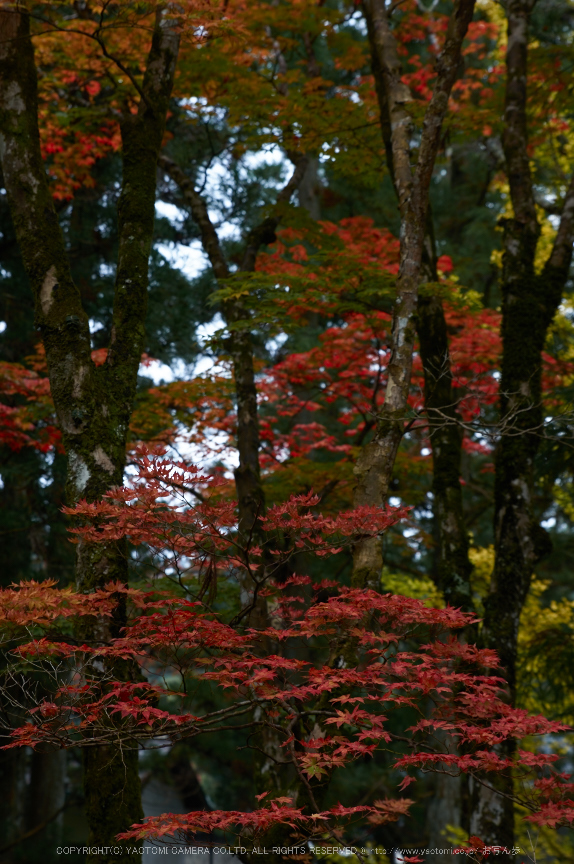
{"type": "Point", "coordinates": [93, 404]}
{"type": "Point", "coordinates": [529, 303]}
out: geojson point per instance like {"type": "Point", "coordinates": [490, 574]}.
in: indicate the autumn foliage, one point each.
{"type": "Point", "coordinates": [326, 675]}
{"type": "Point", "coordinates": [299, 665]}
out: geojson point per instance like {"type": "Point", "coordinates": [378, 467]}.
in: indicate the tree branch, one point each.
{"type": "Point", "coordinates": [561, 255]}
{"type": "Point", "coordinates": [247, 477]}
{"type": "Point", "coordinates": [198, 207]}
{"type": "Point", "coordinates": [264, 233]}
{"type": "Point", "coordinates": [393, 95]}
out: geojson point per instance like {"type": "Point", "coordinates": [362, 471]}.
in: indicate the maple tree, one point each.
{"type": "Point", "coordinates": [396, 652]}
{"type": "Point", "coordinates": [305, 78]}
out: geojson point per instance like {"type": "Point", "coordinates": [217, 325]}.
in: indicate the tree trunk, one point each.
{"type": "Point", "coordinates": [93, 404]}
{"type": "Point", "coordinates": [453, 567]}
{"type": "Point", "coordinates": [530, 302]}
{"type": "Point", "coordinates": [47, 797]}
{"type": "Point", "coordinates": [250, 497]}
{"type": "Point", "coordinates": [375, 463]}
{"type": "Point", "coordinates": [450, 805]}
{"type": "Point", "coordinates": [529, 305]}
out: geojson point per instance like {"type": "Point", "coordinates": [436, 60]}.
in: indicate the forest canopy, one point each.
{"type": "Point", "coordinates": [286, 414]}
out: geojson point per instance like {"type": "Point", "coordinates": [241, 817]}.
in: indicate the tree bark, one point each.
{"type": "Point", "coordinates": [93, 404]}
{"type": "Point", "coordinates": [375, 463]}
{"type": "Point", "coordinates": [453, 567]}
{"type": "Point", "coordinates": [452, 564]}
{"type": "Point", "coordinates": [529, 304]}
